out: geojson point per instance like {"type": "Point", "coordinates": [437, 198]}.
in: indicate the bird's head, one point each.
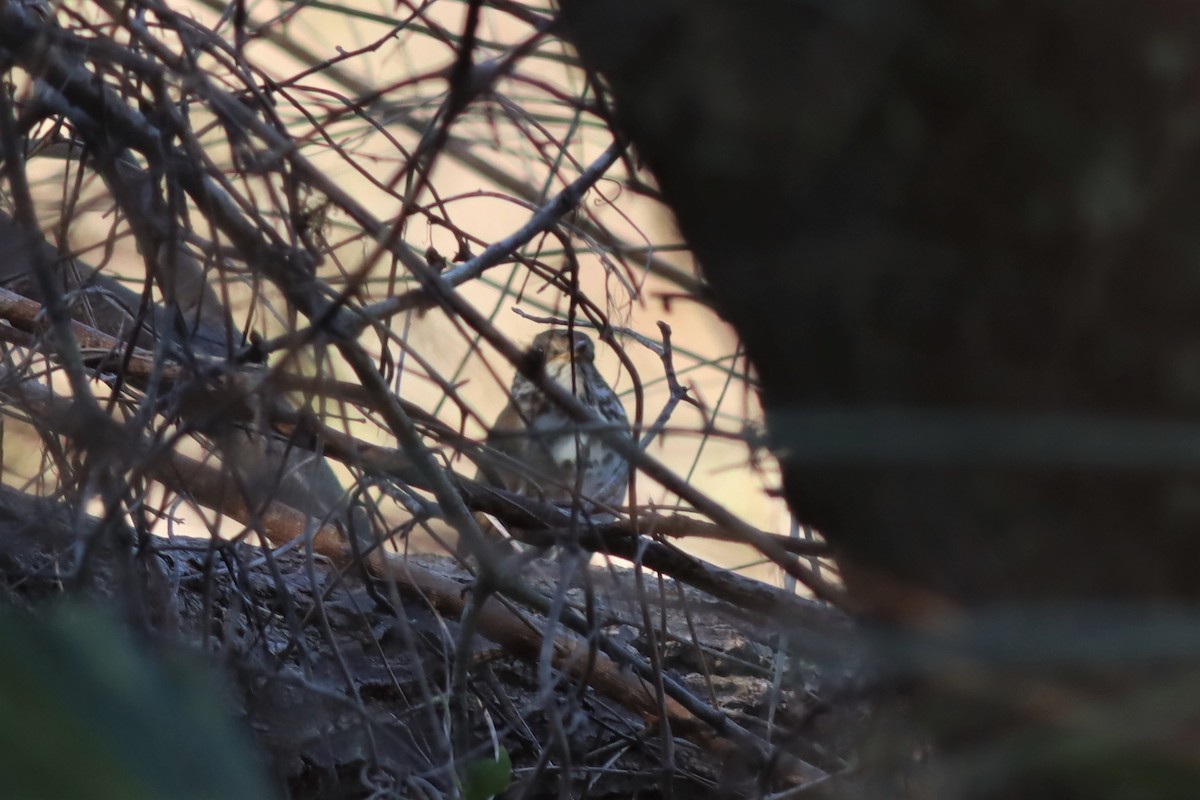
{"type": "Point", "coordinates": [562, 345]}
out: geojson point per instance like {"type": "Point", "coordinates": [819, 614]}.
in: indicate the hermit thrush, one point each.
{"type": "Point", "coordinates": [541, 452]}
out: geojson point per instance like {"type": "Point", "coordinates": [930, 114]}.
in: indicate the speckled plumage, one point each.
{"type": "Point", "coordinates": [549, 455]}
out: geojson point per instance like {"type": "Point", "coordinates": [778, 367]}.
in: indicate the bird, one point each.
{"type": "Point", "coordinates": [538, 451]}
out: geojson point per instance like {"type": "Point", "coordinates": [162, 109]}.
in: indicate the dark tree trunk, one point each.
{"type": "Point", "coordinates": [960, 243]}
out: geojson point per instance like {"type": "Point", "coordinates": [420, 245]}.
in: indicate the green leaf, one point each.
{"type": "Point", "coordinates": [487, 777]}
{"type": "Point", "coordinates": [85, 711]}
